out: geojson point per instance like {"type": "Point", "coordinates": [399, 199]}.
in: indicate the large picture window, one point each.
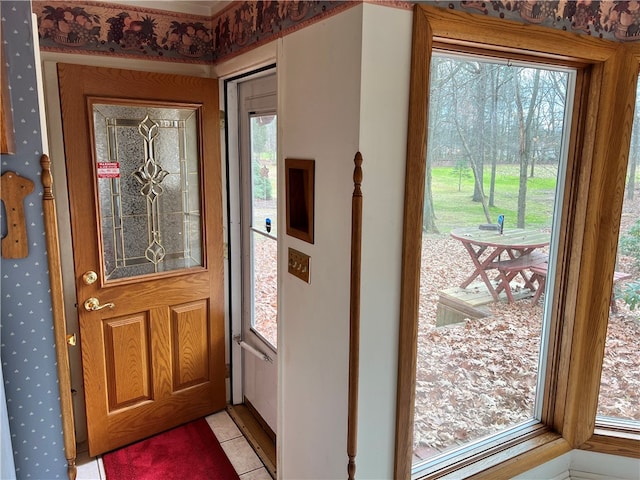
{"type": "Point", "coordinates": [516, 157]}
{"type": "Point", "coordinates": [496, 155]}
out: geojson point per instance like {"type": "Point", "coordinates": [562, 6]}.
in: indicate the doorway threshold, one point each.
{"type": "Point", "coordinates": [261, 438]}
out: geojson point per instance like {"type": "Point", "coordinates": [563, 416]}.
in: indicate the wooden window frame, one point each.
{"type": "Point", "coordinates": [593, 193]}
{"type": "Point", "coordinates": [614, 437]}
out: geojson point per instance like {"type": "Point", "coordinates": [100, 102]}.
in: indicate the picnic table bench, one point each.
{"type": "Point", "coordinates": [510, 253]}
{"type": "Point", "coordinates": [539, 275]}
{"type": "Point", "coordinates": [522, 265]}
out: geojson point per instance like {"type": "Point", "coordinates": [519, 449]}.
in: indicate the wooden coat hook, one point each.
{"type": "Point", "coordinates": [13, 189]}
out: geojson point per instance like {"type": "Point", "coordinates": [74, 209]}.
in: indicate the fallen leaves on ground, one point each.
{"type": "Point", "coordinates": [478, 377]}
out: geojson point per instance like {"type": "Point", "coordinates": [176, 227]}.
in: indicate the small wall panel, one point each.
{"type": "Point", "coordinates": [190, 337]}
{"type": "Point", "coordinates": [126, 343]}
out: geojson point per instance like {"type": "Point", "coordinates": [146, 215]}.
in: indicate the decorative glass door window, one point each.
{"type": "Point", "coordinates": [149, 200]}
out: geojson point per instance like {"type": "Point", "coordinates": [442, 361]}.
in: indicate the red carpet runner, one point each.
{"type": "Point", "coordinates": [190, 451]}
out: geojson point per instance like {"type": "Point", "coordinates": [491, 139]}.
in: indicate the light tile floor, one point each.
{"type": "Point", "coordinates": [242, 456]}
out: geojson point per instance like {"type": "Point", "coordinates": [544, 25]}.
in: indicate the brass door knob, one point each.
{"type": "Point", "coordinates": [89, 277]}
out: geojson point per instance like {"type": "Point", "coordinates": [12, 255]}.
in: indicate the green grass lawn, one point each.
{"type": "Point", "coordinates": [455, 208]}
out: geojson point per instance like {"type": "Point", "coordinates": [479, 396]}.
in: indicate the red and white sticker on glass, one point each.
{"type": "Point", "coordinates": [108, 169]}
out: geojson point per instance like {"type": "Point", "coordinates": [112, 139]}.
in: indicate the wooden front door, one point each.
{"type": "Point", "coordinates": [144, 177]}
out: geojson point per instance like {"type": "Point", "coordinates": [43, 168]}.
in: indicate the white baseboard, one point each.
{"type": "Point", "coordinates": [583, 465]}
{"type": "Point", "coordinates": [578, 475]}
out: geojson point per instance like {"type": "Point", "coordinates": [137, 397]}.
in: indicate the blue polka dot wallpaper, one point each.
{"type": "Point", "coordinates": [27, 347]}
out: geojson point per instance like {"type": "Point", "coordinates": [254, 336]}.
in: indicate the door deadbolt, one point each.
{"type": "Point", "coordinates": [89, 277]}
{"type": "Point", "coordinates": [93, 304]}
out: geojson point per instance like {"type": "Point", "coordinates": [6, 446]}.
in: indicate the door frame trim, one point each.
{"type": "Point", "coordinates": [233, 219]}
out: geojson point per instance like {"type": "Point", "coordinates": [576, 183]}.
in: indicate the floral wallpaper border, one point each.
{"type": "Point", "coordinates": [112, 29]}
{"type": "Point", "coordinates": [120, 30]}
{"type": "Point", "coordinates": [616, 20]}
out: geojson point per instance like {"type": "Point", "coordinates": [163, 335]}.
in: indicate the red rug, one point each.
{"type": "Point", "coordinates": [190, 451]}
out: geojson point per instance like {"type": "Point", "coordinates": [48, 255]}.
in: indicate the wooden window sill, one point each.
{"type": "Point", "coordinates": [522, 450]}
{"type": "Point", "coordinates": [614, 441]}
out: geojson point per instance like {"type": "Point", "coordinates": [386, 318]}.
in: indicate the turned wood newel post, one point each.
{"type": "Point", "coordinates": [59, 320]}
{"type": "Point", "coordinates": [354, 316]}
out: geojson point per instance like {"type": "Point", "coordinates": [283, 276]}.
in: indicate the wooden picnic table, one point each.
{"type": "Point", "coordinates": [510, 253]}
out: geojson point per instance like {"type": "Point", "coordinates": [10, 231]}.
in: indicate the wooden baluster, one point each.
{"type": "Point", "coordinates": [354, 316]}
{"type": "Point", "coordinates": [59, 321]}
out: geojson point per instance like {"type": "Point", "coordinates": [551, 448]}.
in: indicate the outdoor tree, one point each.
{"type": "Point", "coordinates": [525, 122]}
{"type": "Point", "coordinates": [491, 114]}
{"type": "Point", "coordinates": [495, 83]}
{"type": "Point", "coordinates": [633, 163]}
{"type": "Point", "coordinates": [634, 152]}
{"type": "Point", "coordinates": [469, 115]}
{"type": "Point", "coordinates": [478, 77]}
{"type": "Point", "coordinates": [263, 158]}
{"type": "Point", "coordinates": [438, 144]}
{"type": "Point", "coordinates": [461, 171]}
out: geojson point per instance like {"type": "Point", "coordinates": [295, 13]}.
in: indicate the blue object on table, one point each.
{"type": "Point", "coordinates": [500, 223]}
{"type": "Point", "coordinates": [267, 225]}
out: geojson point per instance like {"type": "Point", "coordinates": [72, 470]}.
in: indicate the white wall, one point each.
{"type": "Point", "coordinates": [344, 86]}
{"type": "Point", "coordinates": [386, 55]}
{"type": "Point", "coordinates": [319, 95]}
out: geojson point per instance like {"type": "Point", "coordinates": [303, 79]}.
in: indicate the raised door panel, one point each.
{"type": "Point", "coordinates": [126, 344]}
{"type": "Point", "coordinates": [190, 344]}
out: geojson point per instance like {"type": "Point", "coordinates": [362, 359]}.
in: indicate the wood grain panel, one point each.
{"type": "Point", "coordinates": [190, 336]}
{"type": "Point", "coordinates": [412, 240]}
{"type": "Point", "coordinates": [514, 38]}
{"type": "Point", "coordinates": [520, 458]}
{"type": "Point", "coordinates": [602, 209]}
{"type": "Point", "coordinates": [126, 346]}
